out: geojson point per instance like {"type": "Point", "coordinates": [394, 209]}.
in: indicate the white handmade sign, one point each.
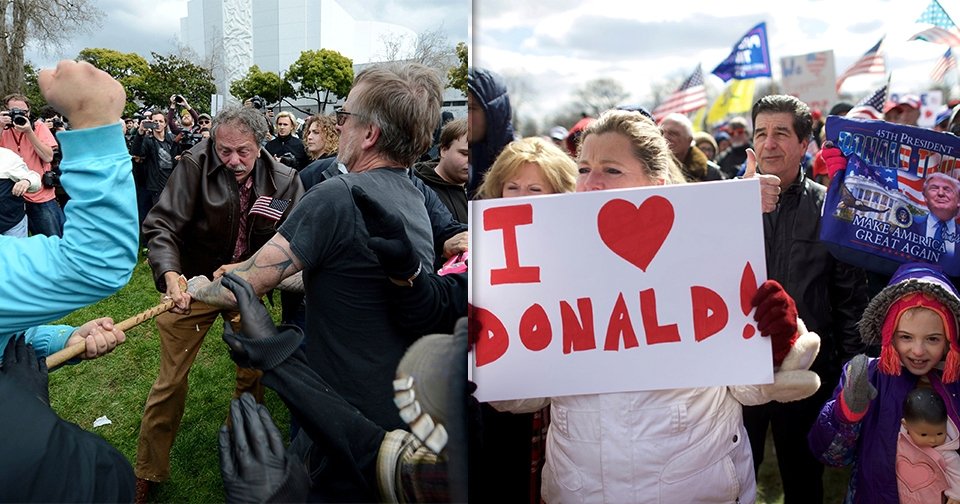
{"type": "Point", "coordinates": [811, 78]}
{"type": "Point", "coordinates": [619, 290]}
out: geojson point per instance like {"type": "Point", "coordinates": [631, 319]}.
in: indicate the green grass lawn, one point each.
{"type": "Point", "coordinates": [117, 385]}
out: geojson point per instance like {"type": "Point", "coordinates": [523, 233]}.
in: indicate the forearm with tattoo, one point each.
{"type": "Point", "coordinates": [264, 270]}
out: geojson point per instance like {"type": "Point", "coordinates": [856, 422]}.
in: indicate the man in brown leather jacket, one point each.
{"type": "Point", "coordinates": [223, 201]}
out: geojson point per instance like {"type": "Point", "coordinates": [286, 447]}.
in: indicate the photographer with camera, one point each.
{"type": "Point", "coordinates": [157, 149]}
{"type": "Point", "coordinates": [260, 104]}
{"type": "Point", "coordinates": [35, 144]}
{"type": "Point", "coordinates": [189, 122]}
{"type": "Point", "coordinates": [286, 147]}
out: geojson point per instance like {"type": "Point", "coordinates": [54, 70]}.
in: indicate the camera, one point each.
{"type": "Point", "coordinates": [178, 99]}
{"type": "Point", "coordinates": [188, 140]}
{"type": "Point", "coordinates": [50, 178]}
{"type": "Point", "coordinates": [257, 102]}
{"type": "Point", "coordinates": [288, 159]}
{"type": "Point", "coordinates": [18, 117]}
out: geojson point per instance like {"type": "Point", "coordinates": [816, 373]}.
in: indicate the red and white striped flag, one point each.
{"type": "Point", "coordinates": [943, 31]}
{"type": "Point", "coordinates": [946, 62]}
{"type": "Point", "coordinates": [269, 207]}
{"type": "Point", "coordinates": [690, 96]}
{"type": "Point", "coordinates": [870, 63]}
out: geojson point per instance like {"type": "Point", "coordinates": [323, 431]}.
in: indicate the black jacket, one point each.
{"type": "Point", "coordinates": [453, 196]}
{"type": "Point", "coordinates": [830, 295]}
{"type": "Point", "coordinates": [289, 144]}
{"type": "Point", "coordinates": [147, 147]}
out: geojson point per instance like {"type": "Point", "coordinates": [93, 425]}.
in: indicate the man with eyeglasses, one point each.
{"type": "Point", "coordinates": [385, 125]}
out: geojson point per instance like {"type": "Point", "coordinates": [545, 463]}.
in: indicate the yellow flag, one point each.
{"type": "Point", "coordinates": [736, 99]}
{"type": "Point", "coordinates": [697, 119]}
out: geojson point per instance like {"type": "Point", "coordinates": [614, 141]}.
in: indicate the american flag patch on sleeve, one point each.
{"type": "Point", "coordinates": [269, 207]}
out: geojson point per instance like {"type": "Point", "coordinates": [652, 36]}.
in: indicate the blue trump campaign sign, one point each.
{"type": "Point", "coordinates": [749, 59]}
{"type": "Point", "coordinates": [877, 213]}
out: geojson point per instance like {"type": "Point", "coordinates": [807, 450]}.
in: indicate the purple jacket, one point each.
{"type": "Point", "coordinates": [838, 443]}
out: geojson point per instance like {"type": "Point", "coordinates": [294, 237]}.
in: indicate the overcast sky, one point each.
{"type": "Point", "coordinates": [143, 26]}
{"type": "Point", "coordinates": [574, 41]}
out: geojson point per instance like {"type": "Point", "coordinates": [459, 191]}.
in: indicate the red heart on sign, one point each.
{"type": "Point", "coordinates": [635, 233]}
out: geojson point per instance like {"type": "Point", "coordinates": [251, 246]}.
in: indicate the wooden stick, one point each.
{"type": "Point", "coordinates": [77, 349]}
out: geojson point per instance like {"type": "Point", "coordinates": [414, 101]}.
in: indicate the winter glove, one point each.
{"type": "Point", "coordinates": [776, 317]}
{"type": "Point", "coordinates": [20, 363]}
{"type": "Point", "coordinates": [260, 345]}
{"type": "Point", "coordinates": [857, 390]}
{"type": "Point", "coordinates": [253, 462]}
{"type": "Point", "coordinates": [834, 159]}
{"type": "Point", "coordinates": [388, 238]}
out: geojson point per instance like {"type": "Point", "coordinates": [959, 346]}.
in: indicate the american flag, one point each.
{"type": "Point", "coordinates": [946, 62]}
{"type": "Point", "coordinates": [892, 179]}
{"type": "Point", "coordinates": [816, 62]}
{"type": "Point", "coordinates": [870, 63]}
{"type": "Point", "coordinates": [943, 31]}
{"type": "Point", "coordinates": [690, 96]}
{"type": "Point", "coordinates": [871, 107]}
{"type": "Point", "coordinates": [269, 207]}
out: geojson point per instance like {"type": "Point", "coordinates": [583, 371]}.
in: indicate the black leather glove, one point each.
{"type": "Point", "coordinates": [388, 238]}
{"type": "Point", "coordinates": [20, 363]}
{"type": "Point", "coordinates": [259, 345]}
{"type": "Point", "coordinates": [254, 465]}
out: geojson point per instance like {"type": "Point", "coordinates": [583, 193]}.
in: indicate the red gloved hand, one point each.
{"type": "Point", "coordinates": [833, 158]}
{"type": "Point", "coordinates": [776, 317]}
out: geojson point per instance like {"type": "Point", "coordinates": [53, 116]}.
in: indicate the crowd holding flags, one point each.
{"type": "Point", "coordinates": [750, 59]}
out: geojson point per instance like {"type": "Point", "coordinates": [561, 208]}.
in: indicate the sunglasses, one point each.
{"type": "Point", "coordinates": [342, 116]}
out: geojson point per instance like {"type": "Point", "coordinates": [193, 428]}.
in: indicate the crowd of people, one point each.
{"type": "Point", "coordinates": [364, 232]}
{"type": "Point", "coordinates": [858, 410]}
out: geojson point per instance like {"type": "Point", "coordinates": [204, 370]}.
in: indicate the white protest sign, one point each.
{"type": "Point", "coordinates": [619, 290]}
{"type": "Point", "coordinates": [811, 78]}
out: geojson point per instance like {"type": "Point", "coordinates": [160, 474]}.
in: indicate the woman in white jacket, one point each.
{"type": "Point", "coordinates": [680, 445]}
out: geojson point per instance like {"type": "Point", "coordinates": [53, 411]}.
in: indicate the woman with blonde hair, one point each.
{"type": "Point", "coordinates": [528, 167]}
{"type": "Point", "coordinates": [676, 445]}
{"type": "Point", "coordinates": [513, 443]}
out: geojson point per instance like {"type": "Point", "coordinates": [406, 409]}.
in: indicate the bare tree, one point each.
{"type": "Point", "coordinates": [520, 92]}
{"type": "Point", "coordinates": [45, 23]}
{"type": "Point", "coordinates": [599, 95]}
{"type": "Point", "coordinates": [212, 59]}
{"type": "Point", "coordinates": [431, 48]}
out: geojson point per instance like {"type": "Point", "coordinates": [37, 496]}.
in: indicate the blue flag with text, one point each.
{"type": "Point", "coordinates": [750, 57]}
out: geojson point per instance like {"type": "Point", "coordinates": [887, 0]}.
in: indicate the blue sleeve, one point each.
{"type": "Point", "coordinates": [46, 340]}
{"type": "Point", "coordinates": [44, 278]}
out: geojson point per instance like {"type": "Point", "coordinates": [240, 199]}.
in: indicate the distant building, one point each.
{"type": "Point", "coordinates": [271, 34]}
